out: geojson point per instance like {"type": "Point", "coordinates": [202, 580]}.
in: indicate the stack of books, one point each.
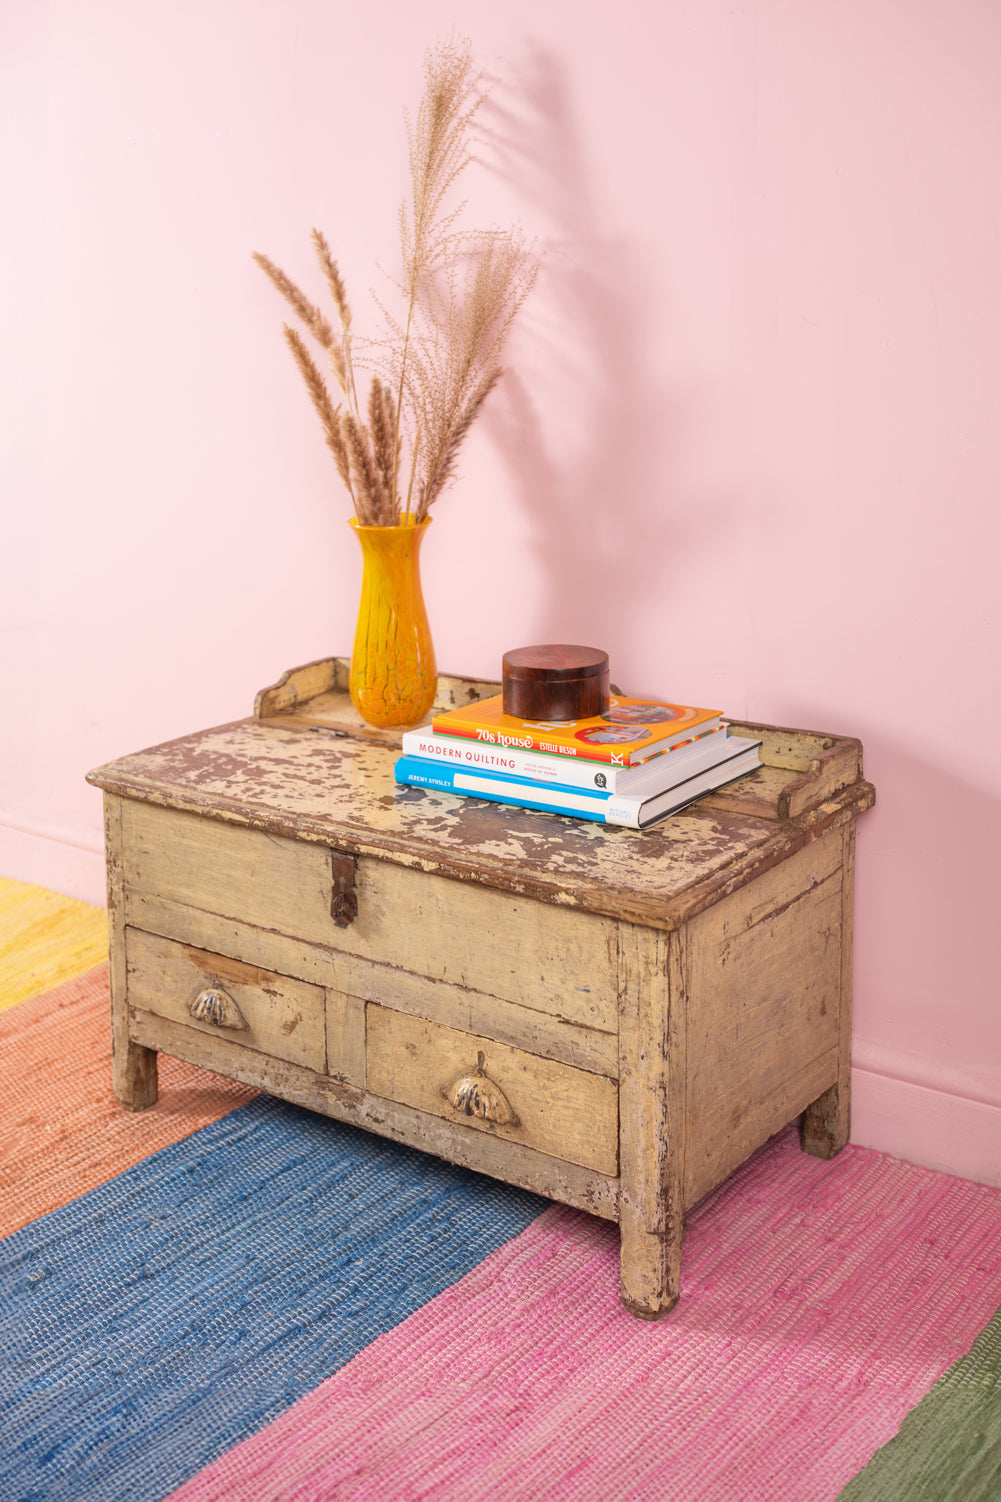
{"type": "Point", "coordinates": [640, 761]}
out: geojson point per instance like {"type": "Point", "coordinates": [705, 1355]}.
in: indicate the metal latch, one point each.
{"type": "Point", "coordinates": [343, 898]}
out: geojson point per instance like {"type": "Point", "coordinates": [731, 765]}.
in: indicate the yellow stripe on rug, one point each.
{"type": "Point", "coordinates": [45, 939]}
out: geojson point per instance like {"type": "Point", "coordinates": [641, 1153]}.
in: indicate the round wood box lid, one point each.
{"type": "Point", "coordinates": [555, 683]}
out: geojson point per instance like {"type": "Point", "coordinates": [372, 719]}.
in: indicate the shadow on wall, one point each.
{"type": "Point", "coordinates": [593, 466]}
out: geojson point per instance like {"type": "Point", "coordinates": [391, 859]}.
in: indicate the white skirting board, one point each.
{"type": "Point", "coordinates": [46, 861]}
{"type": "Point", "coordinates": [923, 1124]}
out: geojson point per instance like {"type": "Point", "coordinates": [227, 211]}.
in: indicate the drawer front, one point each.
{"type": "Point", "coordinates": [492, 1087]}
{"type": "Point", "coordinates": [550, 960]}
{"type": "Point", "coordinates": [209, 993]}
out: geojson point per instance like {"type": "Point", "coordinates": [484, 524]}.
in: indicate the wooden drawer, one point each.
{"type": "Point", "coordinates": [240, 1003]}
{"type": "Point", "coordinates": [547, 959]}
{"type": "Point", "coordinates": [553, 1108]}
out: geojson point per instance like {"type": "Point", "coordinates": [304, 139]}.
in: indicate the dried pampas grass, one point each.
{"type": "Point", "coordinates": [439, 359]}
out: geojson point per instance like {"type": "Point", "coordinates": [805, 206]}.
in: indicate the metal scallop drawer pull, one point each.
{"type": "Point", "coordinates": [475, 1095]}
{"type": "Point", "coordinates": [217, 1006]}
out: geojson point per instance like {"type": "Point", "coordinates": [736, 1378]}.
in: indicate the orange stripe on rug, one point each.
{"type": "Point", "coordinates": [61, 1130]}
{"type": "Point", "coordinates": [45, 939]}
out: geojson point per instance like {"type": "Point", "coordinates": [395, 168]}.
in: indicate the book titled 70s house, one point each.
{"type": "Point", "coordinates": [629, 732]}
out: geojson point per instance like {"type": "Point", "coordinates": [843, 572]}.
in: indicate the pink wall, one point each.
{"type": "Point", "coordinates": [748, 445]}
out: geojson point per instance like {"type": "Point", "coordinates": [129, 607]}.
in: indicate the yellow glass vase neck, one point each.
{"type": "Point", "coordinates": [406, 523]}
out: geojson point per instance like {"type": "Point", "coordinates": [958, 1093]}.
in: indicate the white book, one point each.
{"type": "Point", "coordinates": [639, 809]}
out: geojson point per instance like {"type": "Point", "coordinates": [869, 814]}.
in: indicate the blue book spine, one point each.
{"type": "Point", "coordinates": [583, 803]}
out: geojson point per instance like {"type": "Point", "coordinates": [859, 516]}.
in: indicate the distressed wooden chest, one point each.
{"type": "Point", "coordinates": [612, 1018]}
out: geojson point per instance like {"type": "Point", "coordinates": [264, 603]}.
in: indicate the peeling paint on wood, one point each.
{"type": "Point", "coordinates": [341, 794]}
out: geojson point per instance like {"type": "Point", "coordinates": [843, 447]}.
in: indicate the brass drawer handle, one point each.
{"type": "Point", "coordinates": [216, 1006]}
{"type": "Point", "coordinates": [475, 1095]}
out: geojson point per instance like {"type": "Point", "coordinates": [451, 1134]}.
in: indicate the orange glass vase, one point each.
{"type": "Point", "coordinates": [394, 676]}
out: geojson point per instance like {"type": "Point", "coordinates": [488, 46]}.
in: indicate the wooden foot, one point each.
{"type": "Point", "coordinates": [643, 1311]}
{"type": "Point", "coordinates": [650, 1270]}
{"type": "Point", "coordinates": [827, 1123]}
{"type": "Point", "coordinates": [134, 1076]}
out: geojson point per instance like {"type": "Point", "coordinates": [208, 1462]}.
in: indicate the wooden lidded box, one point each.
{"type": "Point", "coordinates": [612, 1018]}
{"type": "Point", "coordinates": [555, 683]}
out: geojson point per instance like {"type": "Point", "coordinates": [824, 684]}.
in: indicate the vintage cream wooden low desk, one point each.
{"type": "Point", "coordinates": [611, 1018]}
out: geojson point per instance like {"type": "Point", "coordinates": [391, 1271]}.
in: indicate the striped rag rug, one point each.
{"type": "Point", "coordinates": [229, 1299]}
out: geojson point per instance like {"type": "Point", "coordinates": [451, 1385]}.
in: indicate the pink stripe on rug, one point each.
{"type": "Point", "coordinates": [820, 1301]}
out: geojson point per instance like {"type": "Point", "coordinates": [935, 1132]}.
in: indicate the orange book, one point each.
{"type": "Point", "coordinates": [629, 732]}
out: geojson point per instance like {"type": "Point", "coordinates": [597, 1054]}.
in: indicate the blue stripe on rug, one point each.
{"type": "Point", "coordinates": [151, 1324]}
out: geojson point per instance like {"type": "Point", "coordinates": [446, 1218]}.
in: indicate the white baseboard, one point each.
{"type": "Point", "coordinates": [926, 1125]}
{"type": "Point", "coordinates": [47, 860]}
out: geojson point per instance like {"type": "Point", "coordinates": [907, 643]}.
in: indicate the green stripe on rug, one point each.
{"type": "Point", "coordinates": [948, 1449]}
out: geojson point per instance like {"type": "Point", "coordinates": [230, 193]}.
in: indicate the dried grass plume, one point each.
{"type": "Point", "coordinates": [438, 357]}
